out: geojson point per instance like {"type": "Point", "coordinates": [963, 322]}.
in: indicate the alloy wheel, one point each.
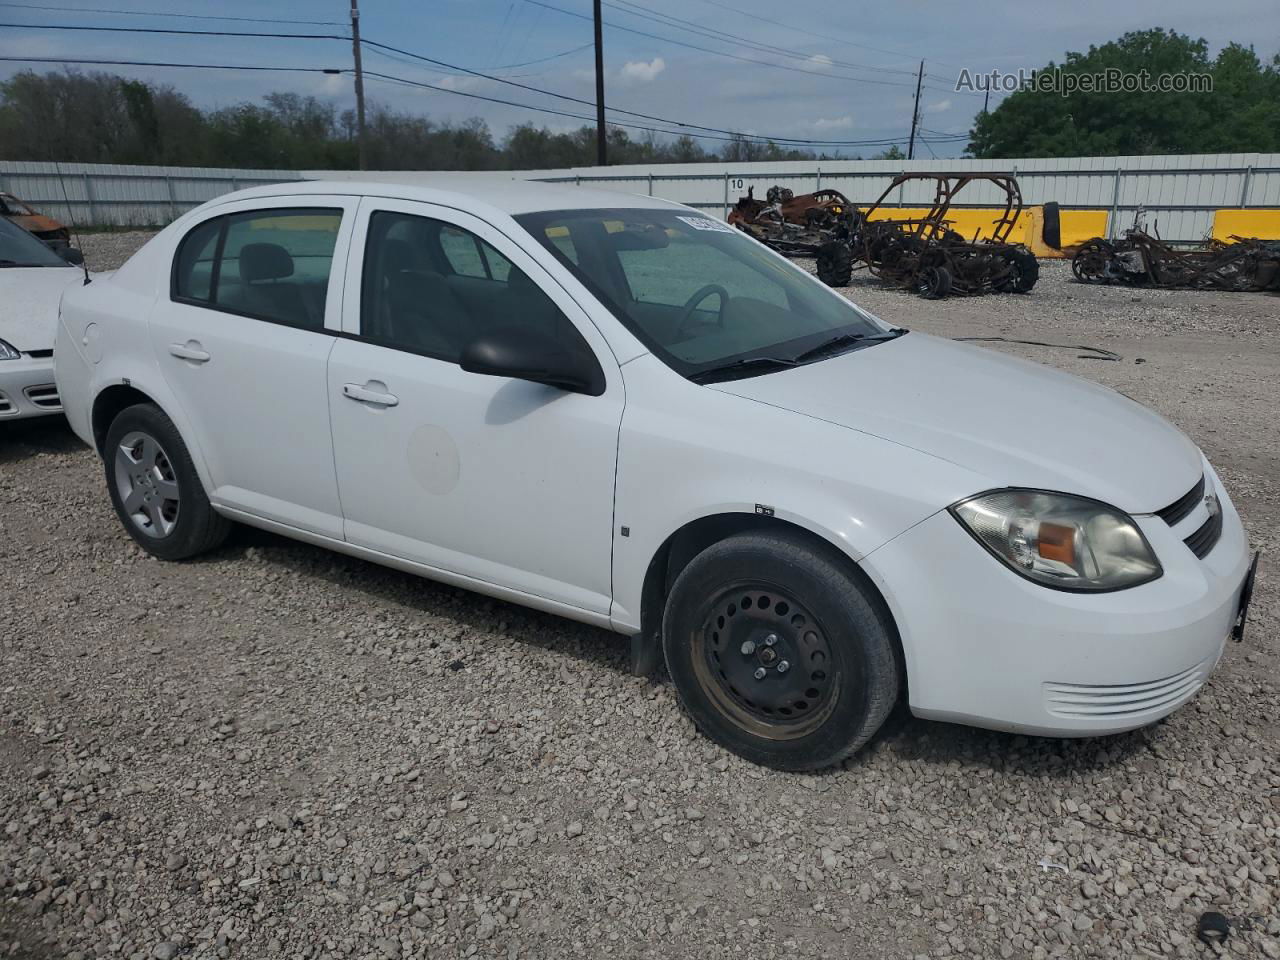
{"type": "Point", "coordinates": [147, 484]}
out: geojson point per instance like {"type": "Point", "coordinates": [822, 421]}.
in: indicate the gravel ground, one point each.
{"type": "Point", "coordinates": [277, 751]}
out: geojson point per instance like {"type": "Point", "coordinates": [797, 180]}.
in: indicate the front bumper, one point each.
{"type": "Point", "coordinates": [27, 388]}
{"type": "Point", "coordinates": [985, 647]}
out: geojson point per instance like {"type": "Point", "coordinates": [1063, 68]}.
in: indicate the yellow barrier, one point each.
{"type": "Point", "coordinates": [1263, 224]}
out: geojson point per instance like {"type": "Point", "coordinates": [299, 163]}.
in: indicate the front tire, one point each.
{"type": "Point", "coordinates": [835, 263]}
{"type": "Point", "coordinates": [779, 652]}
{"type": "Point", "coordinates": [154, 486]}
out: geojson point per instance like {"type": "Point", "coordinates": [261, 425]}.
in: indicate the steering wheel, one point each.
{"type": "Point", "coordinates": [698, 296]}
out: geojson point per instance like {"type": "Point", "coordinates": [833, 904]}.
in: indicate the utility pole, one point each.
{"type": "Point", "coordinates": [601, 158]}
{"type": "Point", "coordinates": [986, 98]}
{"type": "Point", "coordinates": [355, 50]}
{"type": "Point", "coordinates": [915, 112]}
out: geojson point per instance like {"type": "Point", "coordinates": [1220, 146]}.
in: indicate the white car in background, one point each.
{"type": "Point", "coordinates": [32, 281]}
{"type": "Point", "coordinates": [620, 410]}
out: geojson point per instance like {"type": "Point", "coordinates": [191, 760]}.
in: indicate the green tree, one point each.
{"type": "Point", "coordinates": [1240, 114]}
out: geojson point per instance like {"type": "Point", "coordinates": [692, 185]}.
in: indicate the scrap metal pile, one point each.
{"type": "Point", "coordinates": [1141, 259]}
{"type": "Point", "coordinates": [822, 225]}
{"type": "Point", "coordinates": [921, 253]}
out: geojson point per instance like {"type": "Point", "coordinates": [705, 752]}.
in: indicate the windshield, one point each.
{"type": "Point", "coordinates": [20, 249]}
{"type": "Point", "coordinates": [701, 295]}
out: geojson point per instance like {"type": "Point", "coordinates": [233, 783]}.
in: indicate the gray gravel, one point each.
{"type": "Point", "coordinates": [277, 751]}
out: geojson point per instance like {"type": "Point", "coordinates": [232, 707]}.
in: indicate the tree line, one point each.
{"type": "Point", "coordinates": [104, 118]}
{"type": "Point", "coordinates": [1240, 114]}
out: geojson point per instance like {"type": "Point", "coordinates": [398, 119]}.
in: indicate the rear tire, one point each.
{"type": "Point", "coordinates": [835, 263]}
{"type": "Point", "coordinates": [155, 489]}
{"type": "Point", "coordinates": [1025, 271]}
{"type": "Point", "coordinates": [814, 693]}
{"type": "Point", "coordinates": [933, 283]}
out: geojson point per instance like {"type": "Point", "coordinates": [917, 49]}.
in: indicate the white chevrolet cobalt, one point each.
{"type": "Point", "coordinates": [620, 410]}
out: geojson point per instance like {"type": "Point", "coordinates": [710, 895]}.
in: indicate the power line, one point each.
{"type": "Point", "coordinates": [554, 56]}
{"type": "Point", "coordinates": [184, 16]}
{"type": "Point", "coordinates": [175, 30]}
{"type": "Point", "coordinates": [439, 63]}
{"type": "Point", "coordinates": [615, 123]}
{"type": "Point", "coordinates": [186, 66]}
{"type": "Point", "coordinates": [591, 103]}
{"type": "Point", "coordinates": [719, 53]}
{"type": "Point", "coordinates": [724, 36]}
{"type": "Point", "coordinates": [820, 36]}
{"type": "Point", "coordinates": [415, 83]}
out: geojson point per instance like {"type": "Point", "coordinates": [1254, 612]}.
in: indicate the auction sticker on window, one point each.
{"type": "Point", "coordinates": [706, 223]}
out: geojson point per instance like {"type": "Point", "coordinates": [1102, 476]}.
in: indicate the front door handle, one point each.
{"type": "Point", "coordinates": [365, 394]}
{"type": "Point", "coordinates": [191, 350]}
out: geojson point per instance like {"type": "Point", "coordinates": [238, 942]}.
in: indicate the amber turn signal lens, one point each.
{"type": "Point", "coordinates": [1057, 542]}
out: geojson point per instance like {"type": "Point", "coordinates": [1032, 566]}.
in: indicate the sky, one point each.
{"type": "Point", "coordinates": [803, 70]}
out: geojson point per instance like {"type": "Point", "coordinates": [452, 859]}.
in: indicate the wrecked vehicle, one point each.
{"type": "Point", "coordinates": [1140, 258]}
{"type": "Point", "coordinates": [821, 225]}
{"type": "Point", "coordinates": [924, 254]}
{"type": "Point", "coordinates": [53, 233]}
{"type": "Point", "coordinates": [919, 253]}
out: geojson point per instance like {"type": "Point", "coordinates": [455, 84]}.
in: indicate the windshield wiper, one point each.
{"type": "Point", "coordinates": [843, 340]}
{"type": "Point", "coordinates": [748, 366]}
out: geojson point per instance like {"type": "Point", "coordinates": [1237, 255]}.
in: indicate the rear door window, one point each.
{"type": "Point", "coordinates": [272, 265]}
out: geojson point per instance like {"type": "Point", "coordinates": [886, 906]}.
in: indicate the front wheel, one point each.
{"type": "Point", "coordinates": [778, 652]}
{"type": "Point", "coordinates": [835, 263]}
{"type": "Point", "coordinates": [155, 488]}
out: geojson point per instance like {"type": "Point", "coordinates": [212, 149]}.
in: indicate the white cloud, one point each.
{"type": "Point", "coordinates": [835, 123]}
{"type": "Point", "coordinates": [639, 71]}
{"type": "Point", "coordinates": [820, 60]}
{"type": "Point", "coordinates": [942, 106]}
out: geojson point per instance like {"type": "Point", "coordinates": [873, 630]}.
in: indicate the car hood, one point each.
{"type": "Point", "coordinates": [29, 298]}
{"type": "Point", "coordinates": [1019, 423]}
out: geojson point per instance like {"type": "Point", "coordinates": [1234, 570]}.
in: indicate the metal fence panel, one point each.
{"type": "Point", "coordinates": [98, 194]}
{"type": "Point", "coordinates": [1178, 193]}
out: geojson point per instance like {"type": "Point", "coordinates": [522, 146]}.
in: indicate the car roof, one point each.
{"type": "Point", "coordinates": [466, 191]}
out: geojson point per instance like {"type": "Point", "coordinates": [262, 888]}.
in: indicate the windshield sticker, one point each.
{"type": "Point", "coordinates": [706, 223]}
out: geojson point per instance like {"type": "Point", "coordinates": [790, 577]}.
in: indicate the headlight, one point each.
{"type": "Point", "coordinates": [7, 352]}
{"type": "Point", "coordinates": [1071, 543]}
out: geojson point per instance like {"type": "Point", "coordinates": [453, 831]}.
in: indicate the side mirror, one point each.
{"type": "Point", "coordinates": [71, 255]}
{"type": "Point", "coordinates": [524, 354]}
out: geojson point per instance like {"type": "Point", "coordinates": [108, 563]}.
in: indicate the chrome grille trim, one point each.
{"type": "Point", "coordinates": [1206, 538]}
{"type": "Point", "coordinates": [1181, 508]}
{"type": "Point", "coordinates": [1085, 701]}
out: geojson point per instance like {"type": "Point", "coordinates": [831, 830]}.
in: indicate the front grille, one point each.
{"type": "Point", "coordinates": [1079, 701]}
{"type": "Point", "coordinates": [45, 396]}
{"type": "Point", "coordinates": [6, 406]}
{"type": "Point", "coordinates": [1181, 508]}
{"type": "Point", "coordinates": [39, 354]}
{"type": "Point", "coordinates": [1204, 539]}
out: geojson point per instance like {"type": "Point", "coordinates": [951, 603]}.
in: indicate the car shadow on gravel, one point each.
{"type": "Point", "coordinates": [25, 439]}
{"type": "Point", "coordinates": [910, 738]}
{"type": "Point", "coordinates": [903, 736]}
{"type": "Point", "coordinates": [470, 610]}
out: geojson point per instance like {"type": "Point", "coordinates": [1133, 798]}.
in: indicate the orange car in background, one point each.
{"type": "Point", "coordinates": [49, 230]}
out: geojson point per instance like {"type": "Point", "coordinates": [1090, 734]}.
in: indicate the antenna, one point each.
{"type": "Point", "coordinates": [71, 219]}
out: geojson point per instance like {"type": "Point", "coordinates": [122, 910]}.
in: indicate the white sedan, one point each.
{"type": "Point", "coordinates": [620, 410]}
{"type": "Point", "coordinates": [32, 281]}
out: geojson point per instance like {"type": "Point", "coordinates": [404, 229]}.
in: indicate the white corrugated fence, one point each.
{"type": "Point", "coordinates": [1179, 193]}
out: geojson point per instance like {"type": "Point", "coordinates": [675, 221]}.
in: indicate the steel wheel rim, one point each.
{"type": "Point", "coordinates": [147, 484]}
{"type": "Point", "coordinates": [779, 690]}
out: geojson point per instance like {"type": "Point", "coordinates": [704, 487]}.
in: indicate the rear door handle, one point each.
{"type": "Point", "coordinates": [363, 394]}
{"type": "Point", "coordinates": [191, 350]}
